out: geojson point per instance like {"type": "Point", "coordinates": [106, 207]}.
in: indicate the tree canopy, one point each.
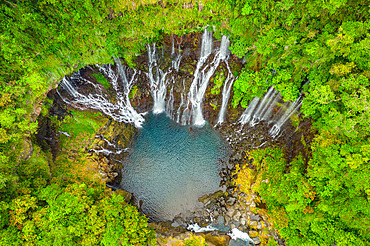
{"type": "Point", "coordinates": [318, 199]}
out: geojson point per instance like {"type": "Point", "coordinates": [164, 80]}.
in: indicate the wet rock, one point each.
{"type": "Point", "coordinates": [227, 220]}
{"type": "Point", "coordinates": [256, 241]}
{"type": "Point", "coordinates": [125, 194]}
{"type": "Point", "coordinates": [230, 212]}
{"type": "Point", "coordinates": [237, 216]}
{"type": "Point", "coordinates": [241, 228]}
{"type": "Point", "coordinates": [259, 226]}
{"type": "Point", "coordinates": [207, 199]}
{"type": "Point", "coordinates": [216, 238]}
{"type": "Point", "coordinates": [235, 195]}
{"type": "Point", "coordinates": [103, 174]}
{"type": "Point", "coordinates": [255, 217]}
{"type": "Point", "coordinates": [230, 165]}
{"type": "Point", "coordinates": [230, 189]}
{"type": "Point", "coordinates": [253, 223]}
{"type": "Point", "coordinates": [243, 220]}
{"type": "Point", "coordinates": [231, 200]}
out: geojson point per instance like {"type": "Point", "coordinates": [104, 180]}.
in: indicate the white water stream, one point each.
{"type": "Point", "coordinates": [161, 82]}
{"type": "Point", "coordinates": [121, 110]}
{"type": "Point", "coordinates": [262, 110]}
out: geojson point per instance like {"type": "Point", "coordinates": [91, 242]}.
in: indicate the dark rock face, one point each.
{"type": "Point", "coordinates": [47, 134]}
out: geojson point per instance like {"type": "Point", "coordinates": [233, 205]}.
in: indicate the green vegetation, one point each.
{"type": "Point", "coordinates": [323, 198]}
{"type": "Point", "coordinates": [101, 79]}
{"type": "Point", "coordinates": [317, 199]}
{"type": "Point", "coordinates": [72, 215]}
{"type": "Point", "coordinates": [218, 80]}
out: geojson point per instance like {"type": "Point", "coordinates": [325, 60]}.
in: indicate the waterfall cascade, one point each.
{"type": "Point", "coordinates": [158, 83]}
{"type": "Point", "coordinates": [202, 75]}
{"type": "Point", "coordinates": [262, 110]}
{"type": "Point", "coordinates": [121, 111]}
{"type": "Point", "coordinates": [161, 82]}
{"type": "Point", "coordinates": [190, 109]}
{"type": "Point", "coordinates": [228, 84]}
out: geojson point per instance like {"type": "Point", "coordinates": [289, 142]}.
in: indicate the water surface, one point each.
{"type": "Point", "coordinates": [171, 166]}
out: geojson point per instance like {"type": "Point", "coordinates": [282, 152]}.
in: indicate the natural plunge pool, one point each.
{"type": "Point", "coordinates": [171, 166]}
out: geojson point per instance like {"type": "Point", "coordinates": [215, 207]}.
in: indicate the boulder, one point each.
{"type": "Point", "coordinates": [253, 223]}
{"type": "Point", "coordinates": [256, 240]}
{"type": "Point", "coordinates": [230, 200]}
{"type": "Point", "coordinates": [259, 226]}
{"type": "Point", "coordinates": [242, 220]}
{"type": "Point", "coordinates": [230, 212]}
{"type": "Point", "coordinates": [255, 217]}
{"type": "Point", "coordinates": [237, 215]}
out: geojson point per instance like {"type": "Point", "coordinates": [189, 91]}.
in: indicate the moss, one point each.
{"type": "Point", "coordinates": [217, 240]}
{"type": "Point", "coordinates": [73, 162]}
{"type": "Point", "coordinates": [214, 106]}
{"type": "Point", "coordinates": [212, 196]}
{"type": "Point", "coordinates": [133, 92]}
{"type": "Point", "coordinates": [193, 240]}
{"type": "Point", "coordinates": [82, 123]}
{"type": "Point", "coordinates": [102, 80]}
{"type": "Point", "coordinates": [218, 80]}
{"type": "Point", "coordinates": [253, 234]}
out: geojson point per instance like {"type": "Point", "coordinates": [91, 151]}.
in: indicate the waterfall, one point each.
{"type": "Point", "coordinates": [159, 80]}
{"type": "Point", "coordinates": [193, 112]}
{"type": "Point", "coordinates": [206, 50]}
{"type": "Point", "coordinates": [259, 110]}
{"type": "Point", "coordinates": [158, 83]}
{"type": "Point", "coordinates": [265, 107]}
{"type": "Point", "coordinates": [178, 113]}
{"type": "Point", "coordinates": [169, 104]}
{"type": "Point", "coordinates": [175, 58]}
{"type": "Point", "coordinates": [293, 107]}
{"type": "Point", "coordinates": [248, 112]}
{"type": "Point", "coordinates": [228, 84]}
{"type": "Point", "coordinates": [162, 79]}
{"type": "Point", "coordinates": [190, 109]}
{"type": "Point", "coordinates": [121, 111]}
{"type": "Point", "coordinates": [262, 110]}
{"type": "Point", "coordinates": [68, 86]}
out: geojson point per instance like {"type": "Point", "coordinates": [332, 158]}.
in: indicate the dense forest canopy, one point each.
{"type": "Point", "coordinates": [317, 199]}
